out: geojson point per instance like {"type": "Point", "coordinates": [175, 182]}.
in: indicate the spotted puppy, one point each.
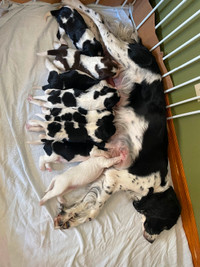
{"type": "Point", "coordinates": [97, 97]}
{"type": "Point", "coordinates": [71, 23]}
{"type": "Point", "coordinates": [68, 58]}
{"type": "Point", "coordinates": [141, 130]}
{"type": "Point", "coordinates": [64, 151]}
{"type": "Point", "coordinates": [80, 129]}
{"type": "Point", "coordinates": [82, 174]}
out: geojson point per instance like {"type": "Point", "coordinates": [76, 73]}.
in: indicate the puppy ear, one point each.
{"type": "Point", "coordinates": [55, 13]}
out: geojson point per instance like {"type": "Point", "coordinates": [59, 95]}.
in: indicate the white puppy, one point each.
{"type": "Point", "coordinates": [82, 174]}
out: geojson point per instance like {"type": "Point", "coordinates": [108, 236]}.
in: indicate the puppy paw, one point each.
{"type": "Point", "coordinates": [30, 98]}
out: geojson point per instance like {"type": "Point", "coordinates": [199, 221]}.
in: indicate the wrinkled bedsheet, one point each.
{"type": "Point", "coordinates": [27, 235]}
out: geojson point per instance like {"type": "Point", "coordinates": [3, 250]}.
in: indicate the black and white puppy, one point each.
{"type": "Point", "coordinates": [68, 58]}
{"type": "Point", "coordinates": [63, 151]}
{"type": "Point", "coordinates": [141, 134]}
{"type": "Point", "coordinates": [66, 80]}
{"type": "Point", "coordinates": [60, 151]}
{"type": "Point", "coordinates": [96, 129]}
{"type": "Point", "coordinates": [72, 23]}
{"type": "Point", "coordinates": [98, 97]}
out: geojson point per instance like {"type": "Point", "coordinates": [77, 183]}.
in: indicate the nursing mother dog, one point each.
{"type": "Point", "coordinates": [141, 135]}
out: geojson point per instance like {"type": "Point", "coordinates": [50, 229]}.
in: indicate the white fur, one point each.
{"type": "Point", "coordinates": [111, 181]}
{"type": "Point", "coordinates": [89, 63]}
{"type": "Point", "coordinates": [88, 35]}
{"type": "Point", "coordinates": [85, 100]}
{"type": "Point", "coordinates": [84, 173]}
{"type": "Point", "coordinates": [91, 126]}
{"type": "Point", "coordinates": [129, 136]}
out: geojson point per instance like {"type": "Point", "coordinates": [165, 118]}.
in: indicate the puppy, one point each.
{"type": "Point", "coordinates": [82, 174]}
{"type": "Point", "coordinates": [97, 97]}
{"type": "Point", "coordinates": [96, 131]}
{"type": "Point", "coordinates": [79, 115]}
{"type": "Point", "coordinates": [69, 79]}
{"type": "Point", "coordinates": [64, 151]}
{"type": "Point", "coordinates": [71, 23]}
{"type": "Point", "coordinates": [68, 58]}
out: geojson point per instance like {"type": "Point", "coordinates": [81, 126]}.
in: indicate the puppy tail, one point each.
{"type": "Point", "coordinates": [42, 116]}
{"type": "Point", "coordinates": [48, 14]}
{"type": "Point", "coordinates": [42, 54]}
{"type": "Point", "coordinates": [50, 66]}
{"type": "Point", "coordinates": [36, 87]}
{"type": "Point", "coordinates": [35, 142]}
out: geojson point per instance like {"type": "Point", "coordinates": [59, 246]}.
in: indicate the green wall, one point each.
{"type": "Point", "coordinates": [187, 128]}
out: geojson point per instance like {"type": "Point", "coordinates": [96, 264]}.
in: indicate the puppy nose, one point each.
{"type": "Point", "coordinates": [58, 222]}
{"type": "Point", "coordinates": [148, 237]}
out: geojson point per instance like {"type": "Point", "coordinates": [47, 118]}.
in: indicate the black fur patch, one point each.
{"type": "Point", "coordinates": [53, 128]}
{"type": "Point", "coordinates": [47, 117]}
{"type": "Point", "coordinates": [47, 146]}
{"type": "Point", "coordinates": [69, 79]}
{"type": "Point", "coordinates": [92, 48]}
{"type": "Point", "coordinates": [66, 117]}
{"type": "Point", "coordinates": [54, 97]}
{"type": "Point", "coordinates": [79, 118]}
{"type": "Point", "coordinates": [143, 57]}
{"type": "Point", "coordinates": [69, 100]}
{"type": "Point", "coordinates": [147, 100]}
{"type": "Point", "coordinates": [82, 111]}
{"type": "Point", "coordinates": [96, 94]}
{"type": "Point", "coordinates": [55, 111]}
{"type": "Point", "coordinates": [110, 102]}
{"type": "Point", "coordinates": [106, 128]}
{"type": "Point", "coordinates": [69, 150]}
{"type": "Point", "coordinates": [76, 134]}
{"type": "Point", "coordinates": [161, 210]}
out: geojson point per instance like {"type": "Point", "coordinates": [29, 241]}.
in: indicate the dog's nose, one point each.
{"type": "Point", "coordinates": [66, 225]}
{"type": "Point", "coordinates": [58, 222]}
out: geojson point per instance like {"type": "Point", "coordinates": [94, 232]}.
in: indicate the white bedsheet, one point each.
{"type": "Point", "coordinates": [27, 235]}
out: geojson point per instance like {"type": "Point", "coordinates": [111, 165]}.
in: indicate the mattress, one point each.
{"type": "Point", "coordinates": [27, 235]}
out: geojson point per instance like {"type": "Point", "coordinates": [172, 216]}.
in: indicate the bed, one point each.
{"type": "Point", "coordinates": [27, 235]}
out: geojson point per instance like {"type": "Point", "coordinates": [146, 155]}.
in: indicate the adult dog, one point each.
{"type": "Point", "coordinates": [141, 135]}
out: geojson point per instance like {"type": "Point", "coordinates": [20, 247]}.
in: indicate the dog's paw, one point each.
{"type": "Point", "coordinates": [30, 98]}
{"type": "Point", "coordinates": [80, 213]}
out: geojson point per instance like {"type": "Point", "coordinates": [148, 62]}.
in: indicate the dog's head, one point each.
{"type": "Point", "coordinates": [110, 68]}
{"type": "Point", "coordinates": [160, 210]}
{"type": "Point", "coordinates": [64, 12]}
{"type": "Point", "coordinates": [92, 48]}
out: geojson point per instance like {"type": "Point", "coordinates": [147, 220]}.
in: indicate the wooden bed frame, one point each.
{"type": "Point", "coordinates": [149, 39]}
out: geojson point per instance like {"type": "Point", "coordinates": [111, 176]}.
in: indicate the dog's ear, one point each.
{"type": "Point", "coordinates": [55, 13]}
{"type": "Point", "coordinates": [161, 211]}
{"type": "Point", "coordinates": [143, 57]}
{"type": "Point", "coordinates": [159, 205]}
{"type": "Point", "coordinates": [91, 49]}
